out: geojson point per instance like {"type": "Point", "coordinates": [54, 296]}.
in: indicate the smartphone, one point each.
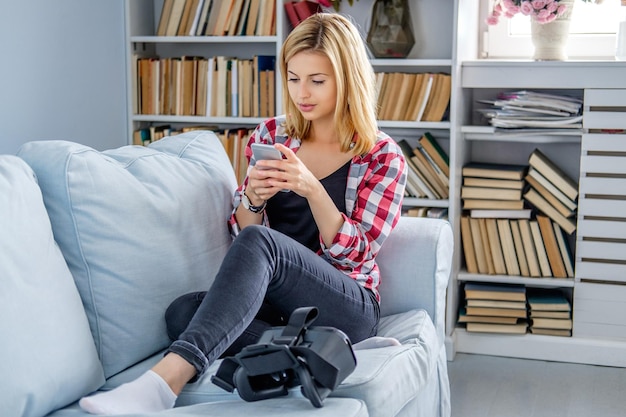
{"type": "Point", "coordinates": [262, 151]}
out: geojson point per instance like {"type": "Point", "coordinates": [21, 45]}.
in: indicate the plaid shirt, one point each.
{"type": "Point", "coordinates": [374, 195]}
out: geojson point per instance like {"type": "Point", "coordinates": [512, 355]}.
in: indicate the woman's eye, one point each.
{"type": "Point", "coordinates": [316, 82]}
{"type": "Point", "coordinates": [292, 80]}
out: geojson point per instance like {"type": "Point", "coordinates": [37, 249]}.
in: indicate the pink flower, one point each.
{"type": "Point", "coordinates": [325, 3]}
{"type": "Point", "coordinates": [543, 14]}
{"type": "Point", "coordinates": [550, 18]}
{"type": "Point", "coordinates": [552, 7]}
{"type": "Point", "coordinates": [562, 8]}
{"type": "Point", "coordinates": [526, 8]}
{"type": "Point", "coordinates": [492, 20]}
{"type": "Point", "coordinates": [538, 4]}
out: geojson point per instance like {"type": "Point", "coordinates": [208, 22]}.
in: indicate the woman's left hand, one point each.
{"type": "Point", "coordinates": [289, 173]}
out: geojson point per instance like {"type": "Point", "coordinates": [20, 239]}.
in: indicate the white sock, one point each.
{"type": "Point", "coordinates": [376, 342]}
{"type": "Point", "coordinates": [147, 393]}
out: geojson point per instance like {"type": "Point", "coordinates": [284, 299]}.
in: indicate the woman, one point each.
{"type": "Point", "coordinates": [313, 245]}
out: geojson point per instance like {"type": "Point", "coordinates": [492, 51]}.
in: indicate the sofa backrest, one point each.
{"type": "Point", "coordinates": [48, 355]}
{"type": "Point", "coordinates": [138, 227]}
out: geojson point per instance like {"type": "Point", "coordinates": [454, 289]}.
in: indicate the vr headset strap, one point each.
{"type": "Point", "coordinates": [299, 322]}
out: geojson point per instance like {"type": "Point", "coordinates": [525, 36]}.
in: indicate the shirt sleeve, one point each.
{"type": "Point", "coordinates": [377, 209]}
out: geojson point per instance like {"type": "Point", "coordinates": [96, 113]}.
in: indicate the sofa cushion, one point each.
{"type": "Point", "coordinates": [138, 227]}
{"type": "Point", "coordinates": [283, 407]}
{"type": "Point", "coordinates": [48, 355]}
{"type": "Point", "coordinates": [386, 379]}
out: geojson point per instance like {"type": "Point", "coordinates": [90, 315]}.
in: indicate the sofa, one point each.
{"type": "Point", "coordinates": [94, 245]}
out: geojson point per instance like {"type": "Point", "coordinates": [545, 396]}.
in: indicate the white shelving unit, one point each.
{"type": "Point", "coordinates": [447, 39]}
{"type": "Point", "coordinates": [485, 78]}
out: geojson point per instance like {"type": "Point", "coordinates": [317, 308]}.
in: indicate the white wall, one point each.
{"type": "Point", "coordinates": [62, 72]}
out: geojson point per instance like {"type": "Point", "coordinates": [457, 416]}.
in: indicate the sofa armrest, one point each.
{"type": "Point", "coordinates": [415, 263]}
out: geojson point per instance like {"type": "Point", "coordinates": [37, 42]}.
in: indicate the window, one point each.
{"type": "Point", "coordinates": [592, 32]}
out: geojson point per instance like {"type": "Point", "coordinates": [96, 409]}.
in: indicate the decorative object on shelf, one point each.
{"type": "Point", "coordinates": [391, 31]}
{"type": "Point", "coordinates": [549, 24]}
{"type": "Point", "coordinates": [334, 3]}
{"type": "Point", "coordinates": [550, 37]}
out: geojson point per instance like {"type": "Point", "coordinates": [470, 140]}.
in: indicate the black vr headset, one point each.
{"type": "Point", "coordinates": [317, 358]}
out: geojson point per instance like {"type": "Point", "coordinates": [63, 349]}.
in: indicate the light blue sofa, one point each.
{"type": "Point", "coordinates": [95, 245]}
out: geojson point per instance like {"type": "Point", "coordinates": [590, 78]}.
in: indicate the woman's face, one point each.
{"type": "Point", "coordinates": [312, 85]}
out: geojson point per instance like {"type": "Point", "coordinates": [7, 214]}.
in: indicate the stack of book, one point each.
{"type": "Point", "coordinates": [217, 18]}
{"type": "Point", "coordinates": [493, 186]}
{"type": "Point", "coordinates": [521, 110]}
{"type": "Point", "coordinates": [550, 313]}
{"type": "Point", "coordinates": [217, 86]}
{"type": "Point", "coordinates": [551, 191]}
{"type": "Point", "coordinates": [494, 308]}
{"type": "Point", "coordinates": [422, 97]}
{"type": "Point", "coordinates": [428, 168]}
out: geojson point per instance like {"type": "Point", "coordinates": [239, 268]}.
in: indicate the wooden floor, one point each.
{"type": "Point", "coordinates": [490, 386]}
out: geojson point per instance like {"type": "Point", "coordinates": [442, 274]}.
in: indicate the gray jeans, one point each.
{"type": "Point", "coordinates": [264, 277]}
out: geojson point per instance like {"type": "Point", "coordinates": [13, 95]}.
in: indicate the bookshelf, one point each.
{"type": "Point", "coordinates": [447, 39]}
{"type": "Point", "coordinates": [596, 291]}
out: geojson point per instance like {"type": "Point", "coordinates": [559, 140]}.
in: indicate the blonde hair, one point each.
{"type": "Point", "coordinates": [355, 114]}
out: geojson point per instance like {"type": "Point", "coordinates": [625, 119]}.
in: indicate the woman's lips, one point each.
{"type": "Point", "coordinates": [306, 107]}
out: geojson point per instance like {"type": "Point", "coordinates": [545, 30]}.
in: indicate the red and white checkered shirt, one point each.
{"type": "Point", "coordinates": [374, 194]}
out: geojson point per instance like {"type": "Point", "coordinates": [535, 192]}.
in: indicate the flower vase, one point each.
{"type": "Point", "coordinates": [391, 30]}
{"type": "Point", "coordinates": [550, 39]}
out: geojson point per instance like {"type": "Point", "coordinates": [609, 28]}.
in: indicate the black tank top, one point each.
{"type": "Point", "coordinates": [290, 214]}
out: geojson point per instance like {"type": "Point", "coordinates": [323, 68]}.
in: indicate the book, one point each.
{"type": "Point", "coordinates": [440, 99]}
{"type": "Point", "coordinates": [508, 247]}
{"type": "Point", "coordinates": [487, 193]}
{"type": "Point", "coordinates": [432, 148]}
{"type": "Point", "coordinates": [551, 314]}
{"type": "Point", "coordinates": [472, 302]}
{"type": "Point", "coordinates": [552, 247]}
{"type": "Point", "coordinates": [493, 183]}
{"type": "Point", "coordinates": [430, 175]}
{"type": "Point", "coordinates": [519, 248]}
{"type": "Point", "coordinates": [479, 249]}
{"type": "Point", "coordinates": [166, 10]}
{"type": "Point", "coordinates": [204, 16]}
{"type": "Point", "coordinates": [501, 214]}
{"type": "Point", "coordinates": [547, 323]}
{"type": "Point", "coordinates": [518, 328]}
{"type": "Point", "coordinates": [553, 173]}
{"type": "Point", "coordinates": [414, 104]}
{"type": "Point", "coordinates": [484, 237]}
{"type": "Point", "coordinates": [540, 249]}
{"type": "Point", "coordinates": [464, 318]}
{"type": "Point", "coordinates": [540, 203]}
{"type": "Point", "coordinates": [404, 97]}
{"type": "Point", "coordinates": [497, 254]}
{"type": "Point", "coordinates": [495, 291]}
{"type": "Point", "coordinates": [471, 203]}
{"type": "Point", "coordinates": [551, 332]}
{"type": "Point", "coordinates": [565, 250]}
{"type": "Point", "coordinates": [414, 182]}
{"type": "Point", "coordinates": [468, 246]}
{"type": "Point", "coordinates": [253, 17]}
{"type": "Point", "coordinates": [443, 177]}
{"type": "Point", "coordinates": [496, 312]}
{"type": "Point", "coordinates": [494, 170]}
{"type": "Point", "coordinates": [294, 20]}
{"type": "Point", "coordinates": [547, 300]}
{"type": "Point", "coordinates": [176, 14]}
{"type": "Point", "coordinates": [554, 196]}
{"type": "Point", "coordinates": [424, 96]}
{"type": "Point", "coordinates": [306, 8]}
{"type": "Point", "coordinates": [529, 248]}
